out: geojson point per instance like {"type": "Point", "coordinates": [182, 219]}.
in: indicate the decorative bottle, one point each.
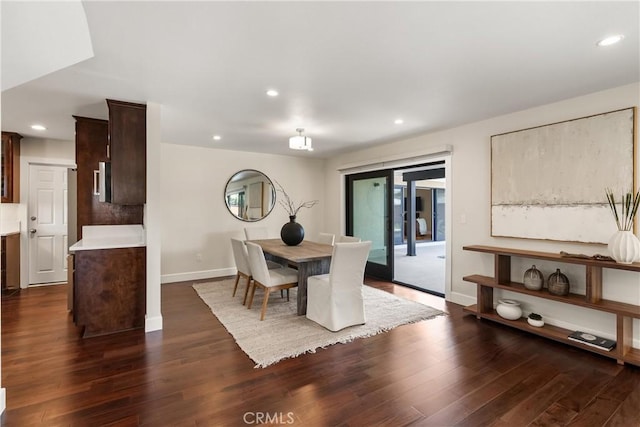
{"type": "Point", "coordinates": [533, 279]}
{"type": "Point", "coordinates": [558, 283]}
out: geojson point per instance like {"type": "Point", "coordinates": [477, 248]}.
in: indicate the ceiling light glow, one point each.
{"type": "Point", "coordinates": [272, 93]}
{"type": "Point", "coordinates": [217, 137]}
{"type": "Point", "coordinates": [300, 142]}
{"type": "Point", "coordinates": [608, 41]}
{"type": "Point", "coordinates": [38, 127]}
{"type": "Point", "coordinates": [398, 121]}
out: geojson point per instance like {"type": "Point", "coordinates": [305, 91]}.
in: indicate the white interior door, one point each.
{"type": "Point", "coordinates": [47, 224]}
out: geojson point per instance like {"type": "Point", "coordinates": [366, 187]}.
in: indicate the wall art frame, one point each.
{"type": "Point", "coordinates": [548, 182]}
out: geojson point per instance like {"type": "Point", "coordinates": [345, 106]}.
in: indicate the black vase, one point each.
{"type": "Point", "coordinates": [292, 233]}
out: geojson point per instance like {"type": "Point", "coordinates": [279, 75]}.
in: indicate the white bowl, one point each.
{"type": "Point", "coordinates": [536, 323]}
{"type": "Point", "coordinates": [509, 309]}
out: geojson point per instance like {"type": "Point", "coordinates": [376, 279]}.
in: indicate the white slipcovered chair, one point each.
{"type": "Point", "coordinates": [347, 239]}
{"type": "Point", "coordinates": [242, 266]}
{"type": "Point", "coordinates": [269, 280]}
{"type": "Point", "coordinates": [335, 300]}
{"type": "Point", "coordinates": [256, 233]}
{"type": "Point", "coordinates": [326, 238]}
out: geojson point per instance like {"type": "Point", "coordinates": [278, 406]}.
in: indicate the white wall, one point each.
{"type": "Point", "coordinates": [153, 218]}
{"type": "Point", "coordinates": [469, 185]}
{"type": "Point", "coordinates": [52, 150]}
{"type": "Point", "coordinates": [196, 225]}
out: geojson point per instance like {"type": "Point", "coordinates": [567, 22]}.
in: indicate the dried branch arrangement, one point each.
{"type": "Point", "coordinates": [629, 208]}
{"type": "Point", "coordinates": [289, 205]}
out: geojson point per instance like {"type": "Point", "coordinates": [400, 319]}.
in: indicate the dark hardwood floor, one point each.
{"type": "Point", "coordinates": [452, 370]}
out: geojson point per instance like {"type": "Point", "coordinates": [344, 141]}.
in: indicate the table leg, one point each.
{"type": "Point", "coordinates": [306, 269]}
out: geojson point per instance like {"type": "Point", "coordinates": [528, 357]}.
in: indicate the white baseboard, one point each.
{"type": "Point", "coordinates": [153, 324]}
{"type": "Point", "coordinates": [197, 275]}
{"type": "Point", "coordinates": [461, 299]}
{"type": "Point", "coordinates": [3, 399]}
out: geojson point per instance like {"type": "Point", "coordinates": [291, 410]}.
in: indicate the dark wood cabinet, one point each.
{"type": "Point", "coordinates": [109, 290]}
{"type": "Point", "coordinates": [91, 148]}
{"type": "Point", "coordinates": [11, 167]}
{"type": "Point", "coordinates": [128, 152]}
{"type": "Point", "coordinates": [10, 259]}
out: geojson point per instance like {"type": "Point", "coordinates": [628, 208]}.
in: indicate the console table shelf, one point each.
{"type": "Point", "coordinates": [625, 313]}
{"type": "Point", "coordinates": [575, 299]}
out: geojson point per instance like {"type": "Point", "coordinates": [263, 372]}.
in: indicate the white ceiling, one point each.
{"type": "Point", "coordinates": [344, 70]}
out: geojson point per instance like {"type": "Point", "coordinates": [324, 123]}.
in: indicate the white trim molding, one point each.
{"type": "Point", "coordinates": [152, 324]}
{"type": "Point", "coordinates": [396, 161]}
{"type": "Point", "coordinates": [3, 399]}
{"type": "Point", "coordinates": [198, 275]}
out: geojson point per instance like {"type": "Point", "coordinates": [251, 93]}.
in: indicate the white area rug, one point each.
{"type": "Point", "coordinates": [283, 334]}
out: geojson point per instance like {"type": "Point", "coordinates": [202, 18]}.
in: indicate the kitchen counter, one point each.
{"type": "Point", "coordinates": [110, 237]}
{"type": "Point", "coordinates": [8, 228]}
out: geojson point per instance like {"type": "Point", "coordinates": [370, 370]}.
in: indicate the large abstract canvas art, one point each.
{"type": "Point", "coordinates": [549, 182]}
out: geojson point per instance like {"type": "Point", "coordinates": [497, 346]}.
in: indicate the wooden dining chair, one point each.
{"type": "Point", "coordinates": [242, 266]}
{"type": "Point", "coordinates": [269, 280]}
{"type": "Point", "coordinates": [335, 300]}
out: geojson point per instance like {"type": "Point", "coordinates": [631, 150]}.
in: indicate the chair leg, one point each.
{"type": "Point", "coordinates": [264, 303]}
{"type": "Point", "coordinates": [246, 290]}
{"type": "Point", "coordinates": [253, 291]}
{"type": "Point", "coordinates": [235, 286]}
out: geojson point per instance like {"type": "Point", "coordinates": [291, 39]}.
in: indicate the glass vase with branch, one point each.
{"type": "Point", "coordinates": [292, 233]}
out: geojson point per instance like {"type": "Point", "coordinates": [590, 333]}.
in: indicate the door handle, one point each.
{"type": "Point", "coordinates": [32, 231]}
{"type": "Point", "coordinates": [96, 180]}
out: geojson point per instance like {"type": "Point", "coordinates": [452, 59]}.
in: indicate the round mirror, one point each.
{"type": "Point", "coordinates": [249, 195]}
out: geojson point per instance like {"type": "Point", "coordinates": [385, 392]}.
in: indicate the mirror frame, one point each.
{"type": "Point", "coordinates": [266, 179]}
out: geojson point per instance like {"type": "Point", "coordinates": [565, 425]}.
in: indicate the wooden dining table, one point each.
{"type": "Point", "coordinates": [310, 258]}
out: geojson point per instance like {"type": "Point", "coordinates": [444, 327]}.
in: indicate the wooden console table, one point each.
{"type": "Point", "coordinates": [624, 312]}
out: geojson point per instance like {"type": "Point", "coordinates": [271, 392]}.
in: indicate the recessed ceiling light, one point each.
{"type": "Point", "coordinates": [608, 41]}
{"type": "Point", "coordinates": [272, 92]}
{"type": "Point", "coordinates": [38, 127]}
{"type": "Point", "coordinates": [217, 137]}
{"type": "Point", "coordinates": [398, 121]}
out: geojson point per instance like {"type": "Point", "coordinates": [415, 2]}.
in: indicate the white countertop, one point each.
{"type": "Point", "coordinates": [110, 237]}
{"type": "Point", "coordinates": [8, 228]}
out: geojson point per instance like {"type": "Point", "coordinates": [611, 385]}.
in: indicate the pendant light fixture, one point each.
{"type": "Point", "coordinates": [300, 142]}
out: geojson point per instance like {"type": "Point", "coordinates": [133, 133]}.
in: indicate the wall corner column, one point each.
{"type": "Point", "coordinates": [152, 220]}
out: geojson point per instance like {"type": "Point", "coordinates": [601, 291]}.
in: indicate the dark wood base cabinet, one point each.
{"type": "Point", "coordinates": [10, 273]}
{"type": "Point", "coordinates": [109, 290]}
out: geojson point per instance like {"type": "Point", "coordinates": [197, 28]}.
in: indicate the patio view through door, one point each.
{"type": "Point", "coordinates": [420, 246]}
{"type": "Point", "coordinates": [402, 211]}
{"type": "Point", "coordinates": [369, 210]}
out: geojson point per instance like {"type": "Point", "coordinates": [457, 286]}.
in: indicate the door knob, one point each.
{"type": "Point", "coordinates": [32, 231]}
{"type": "Point", "coordinates": [33, 218]}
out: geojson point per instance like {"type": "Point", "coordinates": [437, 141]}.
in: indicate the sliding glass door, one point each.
{"type": "Point", "coordinates": [369, 211]}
